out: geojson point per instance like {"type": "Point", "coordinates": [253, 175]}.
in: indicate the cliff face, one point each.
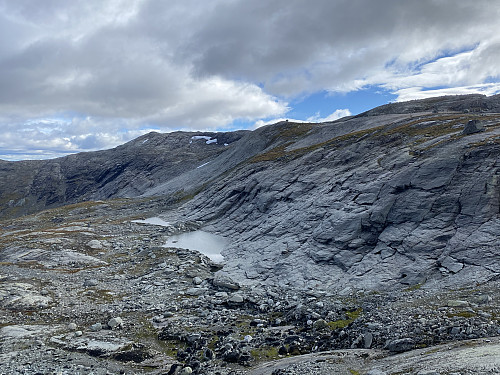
{"type": "Point", "coordinates": [405, 201]}
{"type": "Point", "coordinates": [398, 196]}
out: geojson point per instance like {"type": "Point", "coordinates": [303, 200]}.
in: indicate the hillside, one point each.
{"type": "Point", "coordinates": [377, 233]}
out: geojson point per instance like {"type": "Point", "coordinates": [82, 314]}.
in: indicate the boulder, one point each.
{"type": "Point", "coordinates": [400, 345]}
{"type": "Point", "coordinates": [473, 126]}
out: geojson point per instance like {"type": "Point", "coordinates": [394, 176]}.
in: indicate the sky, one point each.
{"type": "Point", "coordinates": [84, 75]}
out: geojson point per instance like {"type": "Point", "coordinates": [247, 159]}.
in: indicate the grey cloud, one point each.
{"type": "Point", "coordinates": [130, 65]}
{"type": "Point", "coordinates": [264, 40]}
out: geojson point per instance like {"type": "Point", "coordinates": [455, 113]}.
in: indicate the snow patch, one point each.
{"type": "Point", "coordinates": [203, 165]}
{"type": "Point", "coordinates": [207, 138]}
{"type": "Point", "coordinates": [153, 221]}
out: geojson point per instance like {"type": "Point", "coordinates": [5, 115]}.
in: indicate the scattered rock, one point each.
{"type": "Point", "coordinates": [115, 323]}
{"type": "Point", "coordinates": [236, 298]}
{"type": "Point", "coordinates": [457, 303]}
{"type": "Point", "coordinates": [96, 327]}
{"type": "Point", "coordinates": [224, 281]}
{"type": "Point", "coordinates": [401, 345]}
{"type": "Point", "coordinates": [473, 126]}
{"type": "Point", "coordinates": [95, 244]}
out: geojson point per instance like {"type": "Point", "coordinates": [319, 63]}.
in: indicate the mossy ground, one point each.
{"type": "Point", "coordinates": [342, 323]}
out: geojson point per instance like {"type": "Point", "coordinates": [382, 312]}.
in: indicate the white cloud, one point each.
{"type": "Point", "coordinates": [419, 93]}
{"type": "Point", "coordinates": [101, 71]}
{"type": "Point", "coordinates": [261, 123]}
{"type": "Point", "coordinates": [339, 113]}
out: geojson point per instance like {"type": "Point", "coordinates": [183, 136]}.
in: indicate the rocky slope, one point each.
{"type": "Point", "coordinates": [85, 289]}
{"type": "Point", "coordinates": [125, 171]}
{"type": "Point", "coordinates": [367, 203]}
{"type": "Point", "coordinates": [371, 235]}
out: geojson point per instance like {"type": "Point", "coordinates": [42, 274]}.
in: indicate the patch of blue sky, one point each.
{"type": "Point", "coordinates": [325, 103]}
{"type": "Point", "coordinates": [417, 65]}
{"type": "Point", "coordinates": [495, 79]}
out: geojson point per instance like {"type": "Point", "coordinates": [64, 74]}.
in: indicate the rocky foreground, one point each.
{"type": "Point", "coordinates": [85, 290]}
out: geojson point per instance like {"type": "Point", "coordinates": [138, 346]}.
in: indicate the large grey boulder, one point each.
{"type": "Point", "coordinates": [473, 126]}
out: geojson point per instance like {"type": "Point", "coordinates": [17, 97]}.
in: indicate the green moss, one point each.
{"type": "Point", "coordinates": [431, 351]}
{"type": "Point", "coordinates": [147, 334]}
{"type": "Point", "coordinates": [273, 154]}
{"type": "Point", "coordinates": [342, 323]}
{"type": "Point", "coordinates": [265, 353]}
{"type": "Point", "coordinates": [354, 372]}
{"type": "Point", "coordinates": [462, 314]}
{"type": "Point", "coordinates": [353, 315]}
{"type": "Point", "coordinates": [213, 342]}
{"type": "Point", "coordinates": [413, 288]}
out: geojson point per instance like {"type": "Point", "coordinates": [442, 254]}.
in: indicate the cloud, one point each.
{"type": "Point", "coordinates": [339, 113]}
{"type": "Point", "coordinates": [100, 71]}
{"type": "Point", "coordinates": [419, 93]}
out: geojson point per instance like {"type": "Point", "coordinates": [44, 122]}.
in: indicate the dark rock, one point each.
{"type": "Point", "coordinates": [473, 126]}
{"type": "Point", "coordinates": [400, 345]}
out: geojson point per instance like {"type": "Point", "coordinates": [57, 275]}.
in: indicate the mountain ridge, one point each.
{"type": "Point", "coordinates": [390, 197]}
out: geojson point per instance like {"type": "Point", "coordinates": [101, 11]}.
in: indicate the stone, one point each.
{"type": "Point", "coordinates": [376, 372]}
{"type": "Point", "coordinates": [483, 299]}
{"type": "Point", "coordinates": [96, 327]}
{"type": "Point", "coordinates": [400, 345]}
{"type": "Point", "coordinates": [115, 322]}
{"type": "Point", "coordinates": [72, 326]}
{"type": "Point", "coordinates": [367, 340]}
{"type": "Point", "coordinates": [473, 126]}
{"type": "Point", "coordinates": [95, 244]}
{"type": "Point", "coordinates": [457, 303]}
{"type": "Point", "coordinates": [236, 298]}
{"type": "Point", "coordinates": [78, 333]}
{"type": "Point", "coordinates": [320, 324]}
{"type": "Point", "coordinates": [196, 291]}
{"type": "Point", "coordinates": [90, 283]}
{"type": "Point", "coordinates": [224, 281]}
{"type": "Point", "coordinates": [451, 264]}
{"type": "Point", "coordinates": [197, 280]}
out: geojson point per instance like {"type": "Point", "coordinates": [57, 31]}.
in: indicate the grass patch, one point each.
{"type": "Point", "coordinates": [265, 353]}
{"type": "Point", "coordinates": [462, 314]}
{"type": "Point", "coordinates": [413, 287]}
{"type": "Point", "coordinates": [432, 351]}
{"type": "Point", "coordinates": [342, 323]}
{"type": "Point", "coordinates": [147, 334]}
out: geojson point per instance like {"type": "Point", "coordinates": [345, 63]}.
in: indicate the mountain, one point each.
{"type": "Point", "coordinates": [399, 195]}
{"type": "Point", "coordinates": [367, 245]}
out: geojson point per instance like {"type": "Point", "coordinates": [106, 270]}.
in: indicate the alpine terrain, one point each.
{"type": "Point", "coordinates": [368, 245]}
